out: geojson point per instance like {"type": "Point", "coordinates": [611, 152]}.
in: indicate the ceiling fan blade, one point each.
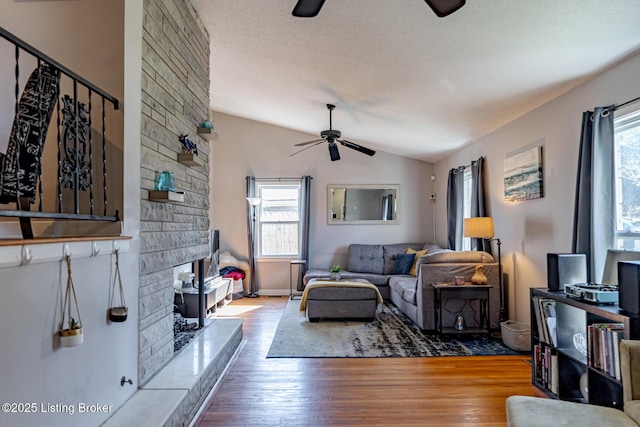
{"type": "Point", "coordinates": [444, 8]}
{"type": "Point", "coordinates": [354, 146]}
{"type": "Point", "coordinates": [333, 151]}
{"type": "Point", "coordinates": [306, 148]}
{"type": "Point", "coordinates": [300, 144]}
{"type": "Point", "coordinates": [307, 8]}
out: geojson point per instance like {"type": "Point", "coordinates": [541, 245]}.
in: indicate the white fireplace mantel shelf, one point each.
{"type": "Point", "coordinates": [15, 253]}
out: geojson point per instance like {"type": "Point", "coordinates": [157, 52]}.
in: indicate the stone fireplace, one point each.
{"type": "Point", "coordinates": [175, 100]}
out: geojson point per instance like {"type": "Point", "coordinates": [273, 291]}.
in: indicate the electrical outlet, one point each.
{"type": "Point", "coordinates": [432, 197]}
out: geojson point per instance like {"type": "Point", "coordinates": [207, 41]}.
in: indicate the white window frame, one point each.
{"type": "Point", "coordinates": [628, 119]}
{"type": "Point", "coordinates": [260, 222]}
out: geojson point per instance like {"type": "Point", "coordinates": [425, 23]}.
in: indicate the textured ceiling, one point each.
{"type": "Point", "coordinates": [402, 79]}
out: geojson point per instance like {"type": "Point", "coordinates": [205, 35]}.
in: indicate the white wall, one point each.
{"type": "Point", "coordinates": [88, 37]}
{"type": "Point", "coordinates": [531, 229]}
{"type": "Point", "coordinates": [247, 147]}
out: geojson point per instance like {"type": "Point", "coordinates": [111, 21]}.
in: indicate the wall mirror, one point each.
{"type": "Point", "coordinates": [363, 204]}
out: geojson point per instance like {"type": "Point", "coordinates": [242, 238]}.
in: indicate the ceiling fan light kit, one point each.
{"type": "Point", "coordinates": [311, 8]}
{"type": "Point", "coordinates": [331, 136]}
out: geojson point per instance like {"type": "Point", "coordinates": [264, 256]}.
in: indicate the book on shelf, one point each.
{"type": "Point", "coordinates": [604, 347]}
{"type": "Point", "coordinates": [545, 312]}
{"type": "Point", "coordinates": [546, 367]}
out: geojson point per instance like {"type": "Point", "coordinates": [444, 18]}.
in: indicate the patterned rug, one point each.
{"type": "Point", "coordinates": [391, 334]}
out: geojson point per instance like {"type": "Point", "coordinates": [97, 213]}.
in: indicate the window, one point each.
{"type": "Point", "coordinates": [627, 178]}
{"type": "Point", "coordinates": [466, 241]}
{"type": "Point", "coordinates": [278, 219]}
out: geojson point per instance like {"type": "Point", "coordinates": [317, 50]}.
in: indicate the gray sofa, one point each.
{"type": "Point", "coordinates": [413, 295]}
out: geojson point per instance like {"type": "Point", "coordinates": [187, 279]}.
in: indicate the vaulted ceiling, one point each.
{"type": "Point", "coordinates": [402, 79]}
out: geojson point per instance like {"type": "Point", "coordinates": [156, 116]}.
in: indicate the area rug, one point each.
{"type": "Point", "coordinates": [391, 334]}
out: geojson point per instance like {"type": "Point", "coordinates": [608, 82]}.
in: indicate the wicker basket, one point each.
{"type": "Point", "coordinates": [516, 335]}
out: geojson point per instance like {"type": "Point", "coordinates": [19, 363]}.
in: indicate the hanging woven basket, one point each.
{"type": "Point", "coordinates": [117, 313]}
{"type": "Point", "coordinates": [71, 333]}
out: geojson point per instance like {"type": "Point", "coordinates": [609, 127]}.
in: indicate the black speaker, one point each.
{"type": "Point", "coordinates": [629, 286]}
{"type": "Point", "coordinates": [565, 269]}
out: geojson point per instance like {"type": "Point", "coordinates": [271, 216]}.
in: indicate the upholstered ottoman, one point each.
{"type": "Point", "coordinates": [353, 299]}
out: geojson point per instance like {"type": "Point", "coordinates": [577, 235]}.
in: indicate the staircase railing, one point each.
{"type": "Point", "coordinates": [82, 169]}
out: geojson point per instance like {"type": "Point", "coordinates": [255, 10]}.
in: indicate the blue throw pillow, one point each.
{"type": "Point", "coordinates": [403, 263]}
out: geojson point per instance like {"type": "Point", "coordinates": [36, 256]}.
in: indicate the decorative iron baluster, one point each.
{"type": "Point", "coordinates": [76, 162]}
{"type": "Point", "coordinates": [59, 126]}
{"type": "Point", "coordinates": [104, 159]}
{"type": "Point", "coordinates": [40, 138]}
{"type": "Point", "coordinates": [17, 120]}
{"type": "Point", "coordinates": [91, 207]}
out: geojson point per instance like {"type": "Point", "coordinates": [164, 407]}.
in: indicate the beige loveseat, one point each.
{"type": "Point", "coordinates": [525, 411]}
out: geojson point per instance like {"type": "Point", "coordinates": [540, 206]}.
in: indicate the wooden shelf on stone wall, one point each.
{"type": "Point", "coordinates": [189, 159]}
{"type": "Point", "coordinates": [166, 196]}
{"type": "Point", "coordinates": [208, 133]}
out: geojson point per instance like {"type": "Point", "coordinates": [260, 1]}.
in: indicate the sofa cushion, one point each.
{"type": "Point", "coordinates": [420, 253]}
{"type": "Point", "coordinates": [405, 286]}
{"type": "Point", "coordinates": [365, 259]}
{"type": "Point", "coordinates": [390, 251]}
{"type": "Point", "coordinates": [458, 256]}
{"type": "Point", "coordinates": [403, 263]}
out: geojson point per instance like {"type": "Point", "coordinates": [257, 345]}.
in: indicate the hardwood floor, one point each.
{"type": "Point", "coordinates": [433, 391]}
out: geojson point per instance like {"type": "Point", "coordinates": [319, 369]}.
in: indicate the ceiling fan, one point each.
{"type": "Point", "coordinates": [331, 136]}
{"type": "Point", "coordinates": [442, 8]}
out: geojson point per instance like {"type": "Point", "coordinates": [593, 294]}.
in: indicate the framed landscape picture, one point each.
{"type": "Point", "coordinates": [523, 174]}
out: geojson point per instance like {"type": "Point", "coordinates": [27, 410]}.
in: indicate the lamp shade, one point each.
{"type": "Point", "coordinates": [254, 201]}
{"type": "Point", "coordinates": [480, 227]}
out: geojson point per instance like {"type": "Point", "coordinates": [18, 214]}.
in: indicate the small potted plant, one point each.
{"type": "Point", "coordinates": [71, 336]}
{"type": "Point", "coordinates": [335, 272]}
{"type": "Point", "coordinates": [70, 332]}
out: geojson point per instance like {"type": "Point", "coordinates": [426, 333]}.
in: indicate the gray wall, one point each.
{"type": "Point", "coordinates": [32, 366]}
{"type": "Point", "coordinates": [530, 229]}
{"type": "Point", "coordinates": [248, 147]}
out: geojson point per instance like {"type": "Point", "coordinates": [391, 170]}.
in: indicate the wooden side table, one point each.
{"type": "Point", "coordinates": [468, 291]}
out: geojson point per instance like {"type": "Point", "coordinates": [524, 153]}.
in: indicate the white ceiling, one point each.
{"type": "Point", "coordinates": [403, 80]}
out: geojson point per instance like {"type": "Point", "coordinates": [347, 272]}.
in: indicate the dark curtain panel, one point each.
{"type": "Point", "coordinates": [455, 206]}
{"type": "Point", "coordinates": [594, 214]}
{"type": "Point", "coordinates": [478, 202]}
{"type": "Point", "coordinates": [305, 223]}
{"type": "Point", "coordinates": [251, 192]}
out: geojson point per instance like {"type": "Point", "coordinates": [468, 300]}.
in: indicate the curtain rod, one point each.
{"type": "Point", "coordinates": [291, 178]}
{"type": "Point", "coordinates": [626, 103]}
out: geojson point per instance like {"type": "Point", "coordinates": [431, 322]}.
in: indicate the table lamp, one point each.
{"type": "Point", "coordinates": [481, 227]}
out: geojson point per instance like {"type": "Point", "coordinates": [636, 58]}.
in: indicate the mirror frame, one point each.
{"type": "Point", "coordinates": [332, 221]}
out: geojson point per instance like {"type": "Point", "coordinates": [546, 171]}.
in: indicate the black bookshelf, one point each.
{"type": "Point", "coordinates": [558, 366]}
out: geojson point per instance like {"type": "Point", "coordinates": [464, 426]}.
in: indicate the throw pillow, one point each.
{"type": "Point", "coordinates": [402, 263]}
{"type": "Point", "coordinates": [418, 254]}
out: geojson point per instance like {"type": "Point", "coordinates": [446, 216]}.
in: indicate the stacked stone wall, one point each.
{"type": "Point", "coordinates": [175, 99]}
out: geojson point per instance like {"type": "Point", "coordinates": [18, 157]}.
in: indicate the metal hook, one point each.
{"type": "Point", "coordinates": [26, 255]}
{"type": "Point", "coordinates": [116, 248]}
{"type": "Point", "coordinates": [95, 250]}
{"type": "Point", "coordinates": [124, 381]}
